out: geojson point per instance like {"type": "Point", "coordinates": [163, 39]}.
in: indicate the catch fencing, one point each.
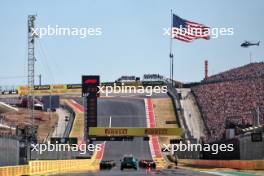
{"type": "Point", "coordinates": [9, 151]}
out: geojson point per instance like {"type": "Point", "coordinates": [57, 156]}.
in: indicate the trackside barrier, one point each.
{"type": "Point", "coordinates": [39, 167]}
{"type": "Point", "coordinates": [14, 170]}
{"type": "Point", "coordinates": [50, 166]}
{"type": "Point", "coordinates": [235, 164]}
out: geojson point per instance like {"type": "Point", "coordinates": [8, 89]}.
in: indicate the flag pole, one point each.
{"type": "Point", "coordinates": [171, 55]}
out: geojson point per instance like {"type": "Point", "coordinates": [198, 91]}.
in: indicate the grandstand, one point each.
{"type": "Point", "coordinates": [252, 70]}
{"type": "Point", "coordinates": [230, 99]}
{"type": "Point", "coordinates": [152, 77]}
{"type": "Point", "coordinates": [4, 90]}
{"type": "Point", "coordinates": [127, 79]}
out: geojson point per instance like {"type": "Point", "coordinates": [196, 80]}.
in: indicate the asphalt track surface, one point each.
{"type": "Point", "coordinates": [141, 172]}
{"type": "Point", "coordinates": [126, 112]}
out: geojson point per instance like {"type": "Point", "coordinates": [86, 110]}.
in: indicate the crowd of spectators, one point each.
{"type": "Point", "coordinates": [232, 98]}
{"type": "Point", "coordinates": [248, 71]}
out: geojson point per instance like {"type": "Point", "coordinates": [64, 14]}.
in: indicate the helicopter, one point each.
{"type": "Point", "coordinates": [247, 44]}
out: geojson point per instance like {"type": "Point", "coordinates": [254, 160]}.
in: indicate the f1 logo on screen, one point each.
{"type": "Point", "coordinates": [90, 85]}
{"type": "Point", "coordinates": [90, 81]}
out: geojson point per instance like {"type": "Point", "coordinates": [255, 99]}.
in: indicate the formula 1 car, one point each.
{"type": "Point", "coordinates": [147, 164]}
{"type": "Point", "coordinates": [128, 162]}
{"type": "Point", "coordinates": [107, 164]}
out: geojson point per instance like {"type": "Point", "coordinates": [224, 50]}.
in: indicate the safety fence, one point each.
{"type": "Point", "coordinates": [50, 166]}
{"type": "Point", "coordinates": [9, 151]}
{"type": "Point", "coordinates": [235, 164]}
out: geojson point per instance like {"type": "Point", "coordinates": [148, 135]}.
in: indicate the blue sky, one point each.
{"type": "Point", "coordinates": [132, 40]}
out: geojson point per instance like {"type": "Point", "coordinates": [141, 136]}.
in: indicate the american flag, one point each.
{"type": "Point", "coordinates": [188, 31]}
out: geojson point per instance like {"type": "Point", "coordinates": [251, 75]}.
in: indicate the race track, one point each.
{"type": "Point", "coordinates": [126, 112]}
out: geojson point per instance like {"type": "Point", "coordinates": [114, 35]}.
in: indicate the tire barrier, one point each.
{"type": "Point", "coordinates": [234, 164]}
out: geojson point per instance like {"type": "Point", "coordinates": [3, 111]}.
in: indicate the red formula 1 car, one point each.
{"type": "Point", "coordinates": [147, 164]}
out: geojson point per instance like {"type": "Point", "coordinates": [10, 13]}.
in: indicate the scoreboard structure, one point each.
{"type": "Point", "coordinates": [90, 90]}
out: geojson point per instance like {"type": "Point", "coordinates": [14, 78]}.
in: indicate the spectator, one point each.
{"type": "Point", "coordinates": [230, 100]}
